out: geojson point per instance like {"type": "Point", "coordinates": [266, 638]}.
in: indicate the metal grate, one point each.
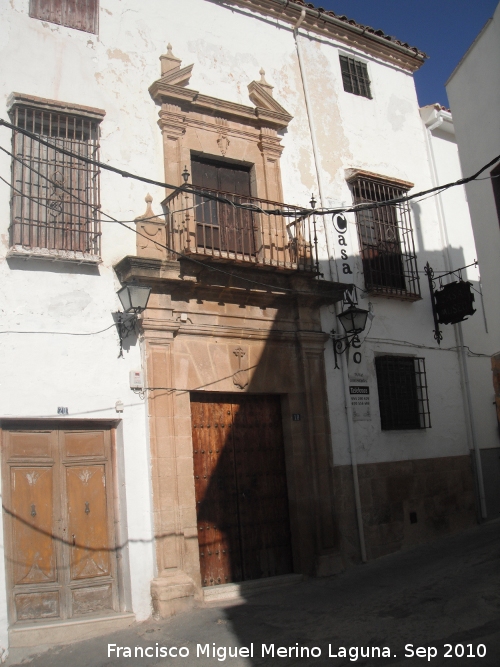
{"type": "Point", "coordinates": [221, 231]}
{"type": "Point", "coordinates": [402, 393]}
{"type": "Point", "coordinates": [55, 202]}
{"type": "Point", "coordinates": [355, 77]}
{"type": "Point", "coordinates": [386, 240]}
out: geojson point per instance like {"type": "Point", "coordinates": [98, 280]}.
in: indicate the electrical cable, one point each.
{"type": "Point", "coordinates": [62, 333]}
{"type": "Point", "coordinates": [192, 189]}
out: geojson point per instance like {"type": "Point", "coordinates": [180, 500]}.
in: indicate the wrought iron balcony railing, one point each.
{"type": "Point", "coordinates": [230, 227]}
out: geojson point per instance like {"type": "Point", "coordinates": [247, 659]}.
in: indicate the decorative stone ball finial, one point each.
{"type": "Point", "coordinates": [169, 61]}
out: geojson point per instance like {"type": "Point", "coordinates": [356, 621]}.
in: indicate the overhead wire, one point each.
{"type": "Point", "coordinates": [193, 190]}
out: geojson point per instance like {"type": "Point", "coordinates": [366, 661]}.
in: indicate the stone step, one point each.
{"type": "Point", "coordinates": [243, 589]}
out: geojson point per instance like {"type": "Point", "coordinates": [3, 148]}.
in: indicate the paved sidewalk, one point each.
{"type": "Point", "coordinates": [447, 592]}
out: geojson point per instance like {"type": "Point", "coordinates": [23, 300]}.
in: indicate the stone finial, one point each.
{"type": "Point", "coordinates": [263, 81]}
{"type": "Point", "coordinates": [169, 61]}
{"type": "Point", "coordinates": [149, 209]}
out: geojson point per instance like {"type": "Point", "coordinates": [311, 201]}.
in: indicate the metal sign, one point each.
{"type": "Point", "coordinates": [454, 302]}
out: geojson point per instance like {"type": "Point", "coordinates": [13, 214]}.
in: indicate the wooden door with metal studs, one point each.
{"type": "Point", "coordinates": [241, 489]}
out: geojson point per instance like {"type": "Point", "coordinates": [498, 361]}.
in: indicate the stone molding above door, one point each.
{"type": "Point", "coordinates": [191, 121]}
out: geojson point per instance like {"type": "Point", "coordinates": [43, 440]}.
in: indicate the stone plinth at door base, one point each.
{"type": "Point", "coordinates": [65, 632]}
{"type": "Point", "coordinates": [172, 594]}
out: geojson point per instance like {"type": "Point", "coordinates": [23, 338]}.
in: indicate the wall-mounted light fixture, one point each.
{"type": "Point", "coordinates": [353, 321]}
{"type": "Point", "coordinates": [134, 299]}
{"type": "Point", "coordinates": [185, 174]}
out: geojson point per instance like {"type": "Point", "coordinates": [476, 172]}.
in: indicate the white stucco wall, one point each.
{"type": "Point", "coordinates": [113, 71]}
{"type": "Point", "coordinates": [474, 93]}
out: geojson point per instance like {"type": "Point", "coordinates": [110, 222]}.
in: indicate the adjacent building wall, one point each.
{"type": "Point", "coordinates": [474, 93]}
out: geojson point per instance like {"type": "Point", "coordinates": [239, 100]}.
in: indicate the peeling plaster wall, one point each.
{"type": "Point", "coordinates": [113, 71]}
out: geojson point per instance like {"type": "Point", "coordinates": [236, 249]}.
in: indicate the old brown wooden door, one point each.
{"type": "Point", "coordinates": [58, 509]}
{"type": "Point", "coordinates": [220, 226]}
{"type": "Point", "coordinates": [241, 491]}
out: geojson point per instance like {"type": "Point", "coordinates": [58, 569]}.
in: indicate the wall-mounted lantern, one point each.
{"type": "Point", "coordinates": [134, 299]}
{"type": "Point", "coordinates": [353, 321]}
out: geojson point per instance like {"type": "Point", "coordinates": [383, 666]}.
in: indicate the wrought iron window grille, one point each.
{"type": "Point", "coordinates": [355, 77]}
{"type": "Point", "coordinates": [55, 198]}
{"type": "Point", "coordinates": [402, 393]}
{"type": "Point", "coordinates": [386, 240]}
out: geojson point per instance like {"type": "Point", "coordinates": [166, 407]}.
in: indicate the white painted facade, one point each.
{"type": "Point", "coordinates": [385, 135]}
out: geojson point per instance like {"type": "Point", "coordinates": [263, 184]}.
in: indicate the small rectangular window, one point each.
{"type": "Point", "coordinates": [402, 393]}
{"type": "Point", "coordinates": [55, 199]}
{"type": "Point", "coordinates": [355, 77]}
{"type": "Point", "coordinates": [77, 14]}
{"type": "Point", "coordinates": [386, 239]}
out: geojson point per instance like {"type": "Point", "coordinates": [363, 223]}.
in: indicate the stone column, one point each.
{"type": "Point", "coordinates": [175, 528]}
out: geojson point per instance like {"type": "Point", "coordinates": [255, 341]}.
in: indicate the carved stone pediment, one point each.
{"type": "Point", "coordinates": [171, 87]}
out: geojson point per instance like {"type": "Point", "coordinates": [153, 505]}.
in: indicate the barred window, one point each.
{"type": "Point", "coordinates": [402, 393]}
{"type": "Point", "coordinates": [386, 239]}
{"type": "Point", "coordinates": [355, 77]}
{"type": "Point", "coordinates": [55, 198]}
{"type": "Point", "coordinates": [78, 14]}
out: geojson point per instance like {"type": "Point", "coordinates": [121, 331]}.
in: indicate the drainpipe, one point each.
{"type": "Point", "coordinates": [462, 357]}
{"type": "Point", "coordinates": [331, 260]}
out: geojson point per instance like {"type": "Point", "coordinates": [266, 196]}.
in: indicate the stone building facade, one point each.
{"type": "Point", "coordinates": [236, 451]}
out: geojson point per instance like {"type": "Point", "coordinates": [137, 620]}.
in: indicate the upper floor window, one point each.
{"type": "Point", "coordinates": [402, 392]}
{"type": "Point", "coordinates": [78, 14]}
{"type": "Point", "coordinates": [55, 198]}
{"type": "Point", "coordinates": [385, 238]}
{"type": "Point", "coordinates": [355, 77]}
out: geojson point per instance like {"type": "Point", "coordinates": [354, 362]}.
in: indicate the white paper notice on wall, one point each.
{"type": "Point", "coordinates": [360, 402]}
{"type": "Point", "coordinates": [358, 378]}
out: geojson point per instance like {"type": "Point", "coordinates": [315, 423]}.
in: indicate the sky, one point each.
{"type": "Point", "coordinates": [444, 29]}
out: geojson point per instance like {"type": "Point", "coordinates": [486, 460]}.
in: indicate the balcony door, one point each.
{"type": "Point", "coordinates": [220, 227]}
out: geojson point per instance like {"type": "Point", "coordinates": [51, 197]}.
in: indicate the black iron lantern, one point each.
{"type": "Point", "coordinates": [134, 298]}
{"type": "Point", "coordinates": [353, 320]}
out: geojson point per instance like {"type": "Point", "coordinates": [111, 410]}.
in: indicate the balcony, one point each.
{"type": "Point", "coordinates": [224, 227]}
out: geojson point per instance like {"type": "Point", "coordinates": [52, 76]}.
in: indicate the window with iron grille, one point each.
{"type": "Point", "coordinates": [402, 393]}
{"type": "Point", "coordinates": [386, 239]}
{"type": "Point", "coordinates": [355, 77]}
{"type": "Point", "coordinates": [55, 197]}
{"type": "Point", "coordinates": [78, 14]}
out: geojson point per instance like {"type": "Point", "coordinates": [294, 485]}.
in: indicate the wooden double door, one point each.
{"type": "Point", "coordinates": [58, 515]}
{"type": "Point", "coordinates": [219, 225]}
{"type": "Point", "coordinates": [241, 488]}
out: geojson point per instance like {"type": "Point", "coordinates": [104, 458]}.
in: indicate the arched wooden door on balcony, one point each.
{"type": "Point", "coordinates": [220, 226]}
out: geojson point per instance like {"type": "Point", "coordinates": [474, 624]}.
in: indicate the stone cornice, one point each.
{"type": "Point", "coordinates": [326, 24]}
{"type": "Point", "coordinates": [236, 284]}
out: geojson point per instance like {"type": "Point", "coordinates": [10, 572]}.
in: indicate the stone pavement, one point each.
{"type": "Point", "coordinates": [439, 594]}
